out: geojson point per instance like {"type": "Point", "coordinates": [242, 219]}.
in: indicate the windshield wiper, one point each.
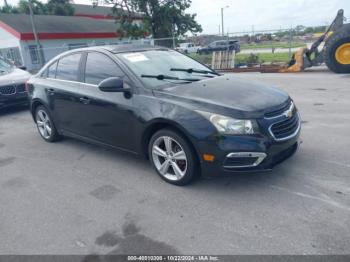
{"type": "Point", "coordinates": [191, 70]}
{"type": "Point", "coordinates": [166, 77]}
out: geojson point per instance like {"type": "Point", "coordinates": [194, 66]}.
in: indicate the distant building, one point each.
{"type": "Point", "coordinates": [56, 34]}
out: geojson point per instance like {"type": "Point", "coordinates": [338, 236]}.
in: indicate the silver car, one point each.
{"type": "Point", "coordinates": [12, 84]}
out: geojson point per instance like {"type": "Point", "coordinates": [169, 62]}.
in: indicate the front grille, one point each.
{"type": "Point", "coordinates": [7, 90]}
{"type": "Point", "coordinates": [21, 88]}
{"type": "Point", "coordinates": [285, 128]}
{"type": "Point", "coordinates": [278, 111]}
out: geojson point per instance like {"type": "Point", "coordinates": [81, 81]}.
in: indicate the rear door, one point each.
{"type": "Point", "coordinates": [62, 86]}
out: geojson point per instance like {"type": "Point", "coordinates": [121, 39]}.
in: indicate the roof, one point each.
{"type": "Point", "coordinates": [116, 49]}
{"type": "Point", "coordinates": [132, 48]}
{"type": "Point", "coordinates": [99, 12]}
{"type": "Point", "coordinates": [57, 27]}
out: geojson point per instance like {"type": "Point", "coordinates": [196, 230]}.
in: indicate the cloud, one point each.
{"type": "Point", "coordinates": [242, 15]}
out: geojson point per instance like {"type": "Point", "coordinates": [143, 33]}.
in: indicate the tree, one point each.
{"type": "Point", "coordinates": [60, 7]}
{"type": "Point", "coordinates": [53, 7]}
{"type": "Point", "coordinates": [9, 9]}
{"type": "Point", "coordinates": [161, 18]}
{"type": "Point", "coordinates": [38, 7]}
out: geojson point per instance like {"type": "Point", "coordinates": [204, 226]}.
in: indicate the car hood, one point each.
{"type": "Point", "coordinates": [227, 95]}
{"type": "Point", "coordinates": [14, 76]}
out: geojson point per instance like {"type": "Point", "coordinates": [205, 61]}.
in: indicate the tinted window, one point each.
{"type": "Point", "coordinates": [51, 71]}
{"type": "Point", "coordinates": [99, 67]}
{"type": "Point", "coordinates": [68, 67]}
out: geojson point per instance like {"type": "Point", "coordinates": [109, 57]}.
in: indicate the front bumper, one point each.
{"type": "Point", "coordinates": [264, 151]}
{"type": "Point", "coordinates": [14, 99]}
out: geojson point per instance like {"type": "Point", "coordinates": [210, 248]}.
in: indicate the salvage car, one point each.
{"type": "Point", "coordinates": [222, 45]}
{"type": "Point", "coordinates": [12, 84]}
{"type": "Point", "coordinates": [156, 102]}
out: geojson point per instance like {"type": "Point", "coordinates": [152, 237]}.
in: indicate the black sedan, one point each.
{"type": "Point", "coordinates": [12, 85]}
{"type": "Point", "coordinates": [186, 118]}
{"type": "Point", "coordinates": [222, 45]}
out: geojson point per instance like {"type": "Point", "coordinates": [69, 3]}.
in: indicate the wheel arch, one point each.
{"type": "Point", "coordinates": [160, 124]}
{"type": "Point", "coordinates": [34, 105]}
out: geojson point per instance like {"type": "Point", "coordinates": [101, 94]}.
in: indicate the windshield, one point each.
{"type": "Point", "coordinates": [4, 66]}
{"type": "Point", "coordinates": [161, 62]}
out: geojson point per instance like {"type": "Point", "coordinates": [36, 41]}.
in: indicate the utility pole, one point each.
{"type": "Point", "coordinates": [40, 53]}
{"type": "Point", "coordinates": [222, 20]}
{"type": "Point", "coordinates": [6, 4]}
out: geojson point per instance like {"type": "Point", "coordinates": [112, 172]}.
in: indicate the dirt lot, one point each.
{"type": "Point", "coordinates": [74, 198]}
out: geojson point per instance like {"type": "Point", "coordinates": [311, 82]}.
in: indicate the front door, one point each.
{"type": "Point", "coordinates": [108, 117]}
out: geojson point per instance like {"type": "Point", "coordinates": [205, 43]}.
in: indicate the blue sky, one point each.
{"type": "Point", "coordinates": [242, 15]}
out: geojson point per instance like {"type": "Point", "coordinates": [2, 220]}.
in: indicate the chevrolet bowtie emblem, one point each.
{"type": "Point", "coordinates": [289, 112]}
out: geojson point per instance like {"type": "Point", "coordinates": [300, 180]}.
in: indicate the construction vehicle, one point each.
{"type": "Point", "coordinates": [335, 53]}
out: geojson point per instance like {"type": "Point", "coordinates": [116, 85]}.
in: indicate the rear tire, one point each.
{"type": "Point", "coordinates": [45, 125]}
{"type": "Point", "coordinates": [172, 157]}
{"type": "Point", "coordinates": [333, 43]}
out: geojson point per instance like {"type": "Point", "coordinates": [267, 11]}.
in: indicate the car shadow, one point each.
{"type": "Point", "coordinates": [234, 181]}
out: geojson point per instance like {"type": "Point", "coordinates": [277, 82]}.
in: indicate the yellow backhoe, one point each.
{"type": "Point", "coordinates": [335, 53]}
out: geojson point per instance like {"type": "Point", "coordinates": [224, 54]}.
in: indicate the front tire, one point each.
{"type": "Point", "coordinates": [172, 157]}
{"type": "Point", "coordinates": [45, 125]}
{"type": "Point", "coordinates": [337, 50]}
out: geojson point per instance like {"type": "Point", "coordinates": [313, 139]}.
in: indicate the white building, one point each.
{"type": "Point", "coordinates": [56, 35]}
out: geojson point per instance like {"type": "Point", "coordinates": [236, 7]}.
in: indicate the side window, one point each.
{"type": "Point", "coordinates": [51, 71]}
{"type": "Point", "coordinates": [99, 67]}
{"type": "Point", "coordinates": [68, 67]}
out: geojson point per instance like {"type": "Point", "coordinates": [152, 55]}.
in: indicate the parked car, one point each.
{"type": "Point", "coordinates": [188, 48]}
{"type": "Point", "coordinates": [186, 118]}
{"type": "Point", "coordinates": [12, 84]}
{"type": "Point", "coordinates": [221, 45]}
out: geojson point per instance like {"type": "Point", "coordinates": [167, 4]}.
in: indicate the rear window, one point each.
{"type": "Point", "coordinates": [68, 67]}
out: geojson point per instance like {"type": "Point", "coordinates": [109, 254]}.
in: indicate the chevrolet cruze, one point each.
{"type": "Point", "coordinates": [183, 116]}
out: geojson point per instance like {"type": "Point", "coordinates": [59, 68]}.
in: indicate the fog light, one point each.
{"type": "Point", "coordinates": [208, 157]}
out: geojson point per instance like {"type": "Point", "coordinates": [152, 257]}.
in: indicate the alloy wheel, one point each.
{"type": "Point", "coordinates": [44, 124]}
{"type": "Point", "coordinates": [169, 158]}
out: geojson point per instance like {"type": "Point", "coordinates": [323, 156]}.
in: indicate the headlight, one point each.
{"type": "Point", "coordinates": [230, 126]}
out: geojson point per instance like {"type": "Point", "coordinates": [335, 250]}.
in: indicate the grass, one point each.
{"type": "Point", "coordinates": [243, 58]}
{"type": "Point", "coordinates": [267, 45]}
{"type": "Point", "coordinates": [264, 57]}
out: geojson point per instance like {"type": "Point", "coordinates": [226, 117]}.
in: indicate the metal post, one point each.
{"type": "Point", "coordinates": [222, 21]}
{"type": "Point", "coordinates": [31, 14]}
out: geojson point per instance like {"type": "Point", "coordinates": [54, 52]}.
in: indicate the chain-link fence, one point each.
{"type": "Point", "coordinates": [264, 46]}
{"type": "Point", "coordinates": [255, 47]}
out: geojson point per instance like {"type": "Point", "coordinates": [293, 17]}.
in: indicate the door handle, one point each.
{"type": "Point", "coordinates": [84, 100]}
{"type": "Point", "coordinates": [51, 91]}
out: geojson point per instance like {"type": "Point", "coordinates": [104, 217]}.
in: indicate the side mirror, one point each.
{"type": "Point", "coordinates": [113, 84]}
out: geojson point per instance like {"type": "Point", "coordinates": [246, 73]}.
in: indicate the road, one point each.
{"type": "Point", "coordinates": [74, 198]}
